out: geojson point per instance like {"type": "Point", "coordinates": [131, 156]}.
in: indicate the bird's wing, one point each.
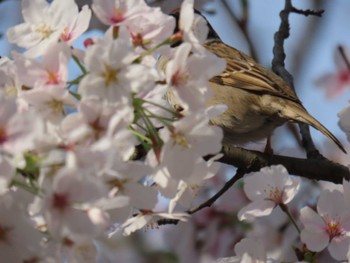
{"type": "Point", "coordinates": [244, 73]}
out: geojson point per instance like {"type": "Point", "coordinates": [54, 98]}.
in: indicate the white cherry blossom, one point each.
{"type": "Point", "coordinates": [329, 227]}
{"type": "Point", "coordinates": [266, 189]}
{"type": "Point", "coordinates": [112, 75]}
{"type": "Point", "coordinates": [18, 131]}
{"type": "Point", "coordinates": [187, 77]}
{"type": "Point", "coordinates": [115, 12]}
{"type": "Point", "coordinates": [66, 207]}
{"type": "Point", "coordinates": [51, 72]}
{"type": "Point", "coordinates": [46, 24]}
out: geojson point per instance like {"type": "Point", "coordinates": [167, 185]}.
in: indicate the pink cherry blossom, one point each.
{"type": "Point", "coordinates": [251, 250]}
{"type": "Point", "coordinates": [112, 75]}
{"type": "Point", "coordinates": [50, 103]}
{"type": "Point", "coordinates": [189, 186]}
{"type": "Point", "coordinates": [66, 207]}
{"type": "Point", "coordinates": [51, 72]}
{"type": "Point", "coordinates": [18, 131]}
{"type": "Point", "coordinates": [7, 172]}
{"type": "Point", "coordinates": [193, 26]}
{"type": "Point", "coordinates": [344, 121]}
{"type": "Point", "coordinates": [336, 83]}
{"type": "Point", "coordinates": [91, 121]}
{"type": "Point", "coordinates": [76, 26]}
{"type": "Point", "coordinates": [192, 134]}
{"type": "Point", "coordinates": [45, 24]}
{"type": "Point", "coordinates": [115, 12]}
{"type": "Point", "coordinates": [267, 189]}
{"type": "Point", "coordinates": [10, 85]}
{"type": "Point", "coordinates": [19, 240]}
{"type": "Point", "coordinates": [188, 76]}
{"type": "Point", "coordinates": [329, 227]}
{"type": "Point", "coordinates": [151, 28]}
{"type": "Point", "coordinates": [124, 179]}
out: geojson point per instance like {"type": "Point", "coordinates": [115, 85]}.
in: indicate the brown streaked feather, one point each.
{"type": "Point", "coordinates": [244, 73]}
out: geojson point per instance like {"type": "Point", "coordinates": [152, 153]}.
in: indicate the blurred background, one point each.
{"type": "Point", "coordinates": [321, 80]}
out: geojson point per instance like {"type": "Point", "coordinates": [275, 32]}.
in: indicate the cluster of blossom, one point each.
{"type": "Point", "coordinates": [336, 83]}
{"type": "Point", "coordinates": [281, 218]}
{"type": "Point", "coordinates": [68, 168]}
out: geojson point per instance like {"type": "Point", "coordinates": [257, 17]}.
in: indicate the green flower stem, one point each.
{"type": "Point", "coordinates": [160, 106]}
{"type": "Point", "coordinates": [20, 184]}
{"type": "Point", "coordinates": [140, 135]}
{"type": "Point", "coordinates": [82, 68]}
{"type": "Point", "coordinates": [167, 41]}
{"type": "Point", "coordinates": [286, 210]}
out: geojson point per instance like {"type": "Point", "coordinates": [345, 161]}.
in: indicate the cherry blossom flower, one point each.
{"type": "Point", "coordinates": [7, 172]}
{"type": "Point", "coordinates": [188, 77]}
{"type": "Point", "coordinates": [188, 187]}
{"type": "Point", "coordinates": [344, 121]}
{"type": "Point", "coordinates": [329, 227]}
{"type": "Point", "coordinates": [10, 85]}
{"type": "Point", "coordinates": [77, 26]}
{"type": "Point", "coordinates": [72, 249]}
{"type": "Point", "coordinates": [193, 26]}
{"type": "Point", "coordinates": [119, 139]}
{"type": "Point", "coordinates": [124, 179]}
{"type": "Point", "coordinates": [336, 83]}
{"type": "Point", "coordinates": [112, 75]}
{"type": "Point", "coordinates": [51, 72]}
{"type": "Point", "coordinates": [46, 24]}
{"type": "Point", "coordinates": [192, 134]}
{"type": "Point", "coordinates": [19, 240]}
{"type": "Point", "coordinates": [18, 131]}
{"type": "Point", "coordinates": [91, 121]}
{"type": "Point", "coordinates": [115, 12]}
{"type": "Point", "coordinates": [151, 28]}
{"type": "Point", "coordinates": [251, 250]}
{"type": "Point", "coordinates": [66, 207]}
{"type": "Point", "coordinates": [266, 189]}
{"type": "Point", "coordinates": [50, 103]}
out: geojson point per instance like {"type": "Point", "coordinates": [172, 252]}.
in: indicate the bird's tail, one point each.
{"type": "Point", "coordinates": [300, 114]}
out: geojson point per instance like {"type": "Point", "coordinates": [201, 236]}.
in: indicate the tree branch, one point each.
{"type": "Point", "coordinates": [278, 66]}
{"type": "Point", "coordinates": [313, 169]}
{"type": "Point", "coordinates": [239, 174]}
{"type": "Point", "coordinates": [250, 161]}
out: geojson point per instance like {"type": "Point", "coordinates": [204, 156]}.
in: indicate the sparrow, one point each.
{"type": "Point", "coordinates": [258, 100]}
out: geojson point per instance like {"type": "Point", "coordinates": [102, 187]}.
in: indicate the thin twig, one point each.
{"type": "Point", "coordinates": [278, 66]}
{"type": "Point", "coordinates": [345, 58]}
{"type": "Point", "coordinates": [243, 25]}
{"type": "Point", "coordinates": [239, 174]}
{"type": "Point", "coordinates": [307, 12]}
